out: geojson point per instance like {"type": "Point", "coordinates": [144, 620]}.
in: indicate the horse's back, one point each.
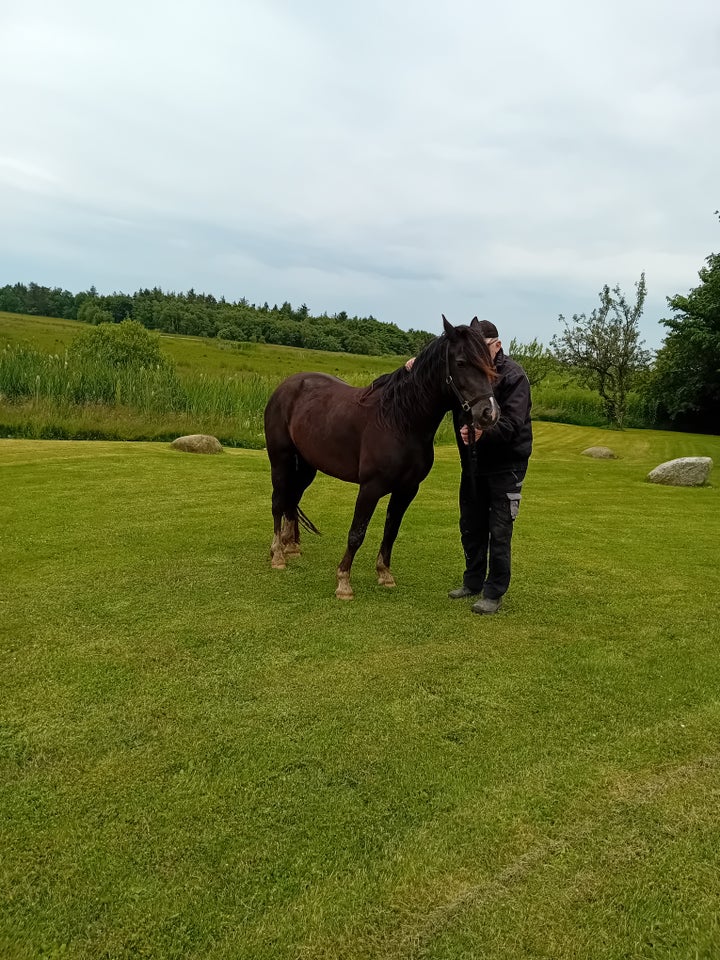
{"type": "Point", "coordinates": [301, 390]}
{"type": "Point", "coordinates": [323, 418]}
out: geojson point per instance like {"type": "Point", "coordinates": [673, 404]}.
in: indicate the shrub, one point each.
{"type": "Point", "coordinates": [119, 345]}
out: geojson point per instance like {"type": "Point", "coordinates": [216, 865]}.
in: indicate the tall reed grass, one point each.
{"type": "Point", "coordinates": [564, 402]}
{"type": "Point", "coordinates": [26, 373]}
{"type": "Point", "coordinates": [65, 396]}
{"type": "Point", "coordinates": [58, 396]}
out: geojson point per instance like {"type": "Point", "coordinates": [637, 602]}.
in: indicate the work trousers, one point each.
{"type": "Point", "coordinates": [489, 504]}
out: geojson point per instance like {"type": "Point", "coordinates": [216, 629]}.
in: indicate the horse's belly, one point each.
{"type": "Point", "coordinates": [335, 453]}
{"type": "Point", "coordinates": [333, 468]}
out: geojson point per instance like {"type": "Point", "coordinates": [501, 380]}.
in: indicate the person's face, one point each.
{"type": "Point", "coordinates": [494, 345]}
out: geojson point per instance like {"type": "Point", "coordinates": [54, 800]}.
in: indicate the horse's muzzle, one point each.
{"type": "Point", "coordinates": [486, 412]}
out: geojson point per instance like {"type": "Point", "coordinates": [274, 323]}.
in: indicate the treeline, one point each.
{"type": "Point", "coordinates": [203, 315]}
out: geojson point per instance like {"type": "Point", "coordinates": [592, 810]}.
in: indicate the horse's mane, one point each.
{"type": "Point", "coordinates": [404, 391]}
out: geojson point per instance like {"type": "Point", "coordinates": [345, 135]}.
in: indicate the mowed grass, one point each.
{"type": "Point", "coordinates": [205, 758]}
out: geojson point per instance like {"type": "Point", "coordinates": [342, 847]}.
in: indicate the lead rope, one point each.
{"type": "Point", "coordinates": [466, 417]}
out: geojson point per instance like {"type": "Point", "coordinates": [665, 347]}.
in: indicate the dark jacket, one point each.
{"type": "Point", "coordinates": [508, 443]}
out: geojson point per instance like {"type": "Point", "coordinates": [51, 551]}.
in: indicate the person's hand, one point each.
{"type": "Point", "coordinates": [409, 363]}
{"type": "Point", "coordinates": [465, 434]}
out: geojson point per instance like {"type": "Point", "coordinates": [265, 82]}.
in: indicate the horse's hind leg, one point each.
{"type": "Point", "coordinates": [290, 538]}
{"type": "Point", "coordinates": [282, 467]}
{"type": "Point", "coordinates": [279, 484]}
{"type": "Point", "coordinates": [303, 476]}
{"type": "Point", "coordinates": [400, 500]}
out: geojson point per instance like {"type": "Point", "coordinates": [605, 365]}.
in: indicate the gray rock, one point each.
{"type": "Point", "coordinates": [683, 472]}
{"type": "Point", "coordinates": [600, 453]}
{"type": "Point", "coordinates": [197, 443]}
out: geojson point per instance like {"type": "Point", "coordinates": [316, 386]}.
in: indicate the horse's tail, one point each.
{"type": "Point", "coordinates": [308, 524]}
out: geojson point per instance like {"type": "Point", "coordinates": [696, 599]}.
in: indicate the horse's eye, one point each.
{"type": "Point", "coordinates": [460, 363]}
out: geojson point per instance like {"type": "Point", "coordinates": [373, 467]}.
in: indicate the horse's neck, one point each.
{"type": "Point", "coordinates": [430, 411]}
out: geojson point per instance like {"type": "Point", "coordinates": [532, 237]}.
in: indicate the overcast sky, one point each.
{"type": "Point", "coordinates": [389, 157]}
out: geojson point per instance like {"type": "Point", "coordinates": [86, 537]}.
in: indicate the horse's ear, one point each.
{"type": "Point", "coordinates": [474, 322]}
{"type": "Point", "coordinates": [448, 327]}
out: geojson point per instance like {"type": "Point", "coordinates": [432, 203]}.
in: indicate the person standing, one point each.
{"type": "Point", "coordinates": [493, 471]}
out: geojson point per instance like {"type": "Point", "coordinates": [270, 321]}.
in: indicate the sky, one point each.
{"type": "Point", "coordinates": [388, 158]}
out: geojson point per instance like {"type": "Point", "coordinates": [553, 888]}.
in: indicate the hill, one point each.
{"type": "Point", "coordinates": [194, 355]}
{"type": "Point", "coordinates": [222, 388]}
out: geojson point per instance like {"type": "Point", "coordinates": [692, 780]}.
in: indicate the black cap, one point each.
{"type": "Point", "coordinates": [488, 330]}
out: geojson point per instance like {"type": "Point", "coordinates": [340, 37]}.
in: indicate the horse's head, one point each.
{"type": "Point", "coordinates": [470, 373]}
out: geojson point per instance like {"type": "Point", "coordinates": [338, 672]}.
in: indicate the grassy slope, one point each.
{"type": "Point", "coordinates": [554, 399]}
{"type": "Point", "coordinates": [203, 758]}
{"type": "Point", "coordinates": [221, 361]}
{"type": "Point", "coordinates": [202, 355]}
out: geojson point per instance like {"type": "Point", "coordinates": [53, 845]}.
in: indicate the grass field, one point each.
{"type": "Point", "coordinates": [227, 385]}
{"type": "Point", "coordinates": [224, 387]}
{"type": "Point", "coordinates": [202, 355]}
{"type": "Point", "coordinates": [204, 758]}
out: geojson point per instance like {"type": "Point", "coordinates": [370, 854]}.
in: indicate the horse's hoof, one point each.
{"type": "Point", "coordinates": [278, 565]}
{"type": "Point", "coordinates": [293, 550]}
{"type": "Point", "coordinates": [385, 578]}
{"type": "Point", "coordinates": [344, 594]}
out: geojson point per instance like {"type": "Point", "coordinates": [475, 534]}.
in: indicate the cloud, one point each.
{"type": "Point", "coordinates": [394, 159]}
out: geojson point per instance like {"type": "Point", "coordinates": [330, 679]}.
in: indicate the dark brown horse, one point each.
{"type": "Point", "coordinates": [380, 437]}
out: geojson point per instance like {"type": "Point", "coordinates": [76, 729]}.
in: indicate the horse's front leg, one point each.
{"type": "Point", "coordinates": [365, 504]}
{"type": "Point", "coordinates": [399, 502]}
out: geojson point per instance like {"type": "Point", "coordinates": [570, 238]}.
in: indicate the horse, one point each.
{"type": "Point", "coordinates": [380, 437]}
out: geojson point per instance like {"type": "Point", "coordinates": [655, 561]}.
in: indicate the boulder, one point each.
{"type": "Point", "coordinates": [197, 443]}
{"type": "Point", "coordinates": [600, 453]}
{"type": "Point", "coordinates": [683, 472]}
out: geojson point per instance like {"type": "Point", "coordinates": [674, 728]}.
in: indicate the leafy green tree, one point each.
{"type": "Point", "coordinates": [317, 340]}
{"type": "Point", "coordinates": [37, 300]}
{"type": "Point", "coordinates": [358, 344]}
{"type": "Point", "coordinates": [61, 303]}
{"type": "Point", "coordinates": [201, 314]}
{"type": "Point", "coordinates": [604, 350]}
{"type": "Point", "coordinates": [535, 359]}
{"type": "Point", "coordinates": [172, 317]}
{"type": "Point", "coordinates": [229, 331]}
{"type": "Point", "coordinates": [418, 340]}
{"type": "Point", "coordinates": [12, 298]}
{"type": "Point", "coordinates": [120, 305]}
{"type": "Point", "coordinates": [90, 311]}
{"type": "Point", "coordinates": [686, 378]}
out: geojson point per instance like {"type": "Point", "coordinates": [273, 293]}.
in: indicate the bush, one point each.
{"type": "Point", "coordinates": [119, 345]}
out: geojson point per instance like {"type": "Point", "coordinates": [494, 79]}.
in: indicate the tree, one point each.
{"type": "Point", "coordinates": [202, 314]}
{"type": "Point", "coordinates": [604, 349]}
{"type": "Point", "coordinates": [535, 359]}
{"type": "Point", "coordinates": [686, 379]}
{"type": "Point", "coordinates": [90, 311]}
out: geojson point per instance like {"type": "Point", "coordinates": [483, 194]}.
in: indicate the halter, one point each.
{"type": "Point", "coordinates": [465, 405]}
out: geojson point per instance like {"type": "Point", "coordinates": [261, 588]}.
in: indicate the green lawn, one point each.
{"type": "Point", "coordinates": [204, 758]}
